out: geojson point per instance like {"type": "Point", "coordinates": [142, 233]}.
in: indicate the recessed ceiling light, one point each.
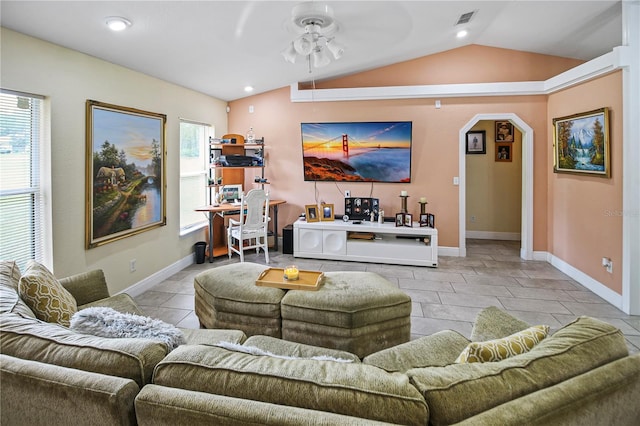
{"type": "Point", "coordinates": [117, 23]}
{"type": "Point", "coordinates": [248, 89]}
{"type": "Point", "coordinates": [462, 33]}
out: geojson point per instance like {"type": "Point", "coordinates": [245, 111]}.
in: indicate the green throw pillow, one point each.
{"type": "Point", "coordinates": [46, 297]}
{"type": "Point", "coordinates": [499, 349]}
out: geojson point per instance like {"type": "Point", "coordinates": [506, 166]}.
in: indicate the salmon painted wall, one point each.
{"type": "Point", "coordinates": [468, 64]}
{"type": "Point", "coordinates": [435, 136]}
{"type": "Point", "coordinates": [584, 217]}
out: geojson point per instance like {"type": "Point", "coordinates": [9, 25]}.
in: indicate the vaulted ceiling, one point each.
{"type": "Point", "coordinates": [219, 47]}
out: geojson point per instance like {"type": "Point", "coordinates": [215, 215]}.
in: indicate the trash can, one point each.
{"type": "Point", "coordinates": [287, 239]}
{"type": "Point", "coordinates": [201, 248]}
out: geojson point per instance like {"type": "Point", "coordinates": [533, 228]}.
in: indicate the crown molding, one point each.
{"type": "Point", "coordinates": [616, 59]}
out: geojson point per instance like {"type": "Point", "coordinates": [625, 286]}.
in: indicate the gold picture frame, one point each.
{"type": "Point", "coordinates": [311, 213]}
{"type": "Point", "coordinates": [327, 213]}
{"type": "Point", "coordinates": [581, 143]}
{"type": "Point", "coordinates": [125, 172]}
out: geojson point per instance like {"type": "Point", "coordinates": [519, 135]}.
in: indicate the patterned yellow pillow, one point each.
{"type": "Point", "coordinates": [46, 297]}
{"type": "Point", "coordinates": [499, 349]}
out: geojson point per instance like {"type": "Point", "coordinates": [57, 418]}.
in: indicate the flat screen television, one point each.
{"type": "Point", "coordinates": [377, 151]}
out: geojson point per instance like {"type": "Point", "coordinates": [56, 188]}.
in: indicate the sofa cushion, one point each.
{"type": "Point", "coordinates": [458, 391]}
{"type": "Point", "coordinates": [203, 336]}
{"type": "Point", "coordinates": [9, 274]}
{"type": "Point", "coordinates": [120, 302]}
{"type": "Point", "coordinates": [493, 323]}
{"type": "Point", "coordinates": [46, 297]}
{"type": "Point", "coordinates": [30, 338]}
{"type": "Point", "coordinates": [10, 301]}
{"type": "Point", "coordinates": [35, 393]}
{"type": "Point", "coordinates": [294, 349]}
{"type": "Point", "coordinates": [436, 350]}
{"type": "Point", "coordinates": [164, 406]}
{"type": "Point", "coordinates": [345, 388]}
{"type": "Point", "coordinates": [499, 349]}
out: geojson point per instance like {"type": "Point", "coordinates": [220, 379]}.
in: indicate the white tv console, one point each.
{"type": "Point", "coordinates": [336, 240]}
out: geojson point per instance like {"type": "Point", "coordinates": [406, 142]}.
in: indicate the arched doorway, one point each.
{"type": "Point", "coordinates": [526, 233]}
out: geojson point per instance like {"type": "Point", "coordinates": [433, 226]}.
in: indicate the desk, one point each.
{"type": "Point", "coordinates": [223, 209]}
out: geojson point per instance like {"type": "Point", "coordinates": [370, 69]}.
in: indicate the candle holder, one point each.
{"type": "Point", "coordinates": [423, 206]}
{"type": "Point", "coordinates": [404, 204]}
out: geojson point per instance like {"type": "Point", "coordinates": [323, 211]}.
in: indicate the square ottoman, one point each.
{"type": "Point", "coordinates": [357, 312]}
{"type": "Point", "coordinates": [227, 297]}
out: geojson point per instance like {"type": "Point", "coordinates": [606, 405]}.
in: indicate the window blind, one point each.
{"type": "Point", "coordinates": [194, 142]}
{"type": "Point", "coordinates": [21, 199]}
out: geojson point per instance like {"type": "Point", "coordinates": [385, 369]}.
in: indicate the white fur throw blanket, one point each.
{"type": "Point", "coordinates": [253, 350]}
{"type": "Point", "coordinates": [107, 322]}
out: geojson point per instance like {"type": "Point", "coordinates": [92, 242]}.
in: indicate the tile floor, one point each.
{"type": "Point", "coordinates": [447, 297]}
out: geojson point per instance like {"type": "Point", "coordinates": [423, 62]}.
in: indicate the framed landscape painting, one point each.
{"type": "Point", "coordinates": [125, 172]}
{"type": "Point", "coordinates": [581, 143]}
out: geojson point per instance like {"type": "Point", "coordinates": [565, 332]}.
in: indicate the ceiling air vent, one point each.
{"type": "Point", "coordinates": [465, 17]}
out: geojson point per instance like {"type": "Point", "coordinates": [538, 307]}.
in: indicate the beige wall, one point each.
{"type": "Point", "coordinates": [583, 224]}
{"type": "Point", "coordinates": [494, 189]}
{"type": "Point", "coordinates": [67, 79]}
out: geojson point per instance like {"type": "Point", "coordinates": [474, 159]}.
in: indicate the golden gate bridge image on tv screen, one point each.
{"type": "Point", "coordinates": [357, 151]}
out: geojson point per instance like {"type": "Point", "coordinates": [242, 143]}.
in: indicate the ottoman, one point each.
{"type": "Point", "coordinates": [227, 297]}
{"type": "Point", "coordinates": [357, 312]}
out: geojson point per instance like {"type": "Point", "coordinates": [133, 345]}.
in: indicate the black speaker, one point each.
{"type": "Point", "coordinates": [287, 239]}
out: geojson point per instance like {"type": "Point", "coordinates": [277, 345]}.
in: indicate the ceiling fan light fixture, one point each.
{"type": "Point", "coordinates": [320, 58]}
{"type": "Point", "coordinates": [303, 45]}
{"type": "Point", "coordinates": [117, 23]}
{"type": "Point", "coordinates": [336, 49]}
{"type": "Point", "coordinates": [315, 23]}
{"type": "Point", "coordinates": [290, 54]}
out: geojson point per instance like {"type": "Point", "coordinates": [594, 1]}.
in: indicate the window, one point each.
{"type": "Point", "coordinates": [194, 141]}
{"type": "Point", "coordinates": [22, 201]}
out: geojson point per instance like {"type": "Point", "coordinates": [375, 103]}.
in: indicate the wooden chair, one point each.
{"type": "Point", "coordinates": [252, 226]}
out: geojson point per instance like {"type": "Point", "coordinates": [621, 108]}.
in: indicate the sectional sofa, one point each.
{"type": "Point", "coordinates": [581, 374]}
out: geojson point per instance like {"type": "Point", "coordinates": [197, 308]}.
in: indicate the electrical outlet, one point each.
{"type": "Point", "coordinates": [608, 264]}
{"type": "Point", "coordinates": [132, 265]}
{"type": "Point", "coordinates": [347, 193]}
{"type": "Point", "coordinates": [473, 218]}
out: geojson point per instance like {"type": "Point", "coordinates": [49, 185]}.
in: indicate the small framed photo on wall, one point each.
{"type": "Point", "coordinates": [503, 152]}
{"type": "Point", "coordinates": [504, 131]}
{"type": "Point", "coordinates": [476, 142]}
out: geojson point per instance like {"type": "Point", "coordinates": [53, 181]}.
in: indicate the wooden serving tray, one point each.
{"type": "Point", "coordinates": [274, 277]}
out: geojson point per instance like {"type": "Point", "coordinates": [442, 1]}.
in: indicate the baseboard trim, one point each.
{"type": "Point", "coordinates": [449, 251]}
{"type": "Point", "coordinates": [595, 286]}
{"type": "Point", "coordinates": [489, 235]}
{"type": "Point", "coordinates": [156, 278]}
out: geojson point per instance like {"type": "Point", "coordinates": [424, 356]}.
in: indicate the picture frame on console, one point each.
{"type": "Point", "coordinates": [476, 142]}
{"type": "Point", "coordinates": [311, 213]}
{"type": "Point", "coordinates": [424, 219]}
{"type": "Point", "coordinates": [327, 212]}
{"type": "Point", "coordinates": [431, 220]}
{"type": "Point", "coordinates": [399, 219]}
{"type": "Point", "coordinates": [404, 219]}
